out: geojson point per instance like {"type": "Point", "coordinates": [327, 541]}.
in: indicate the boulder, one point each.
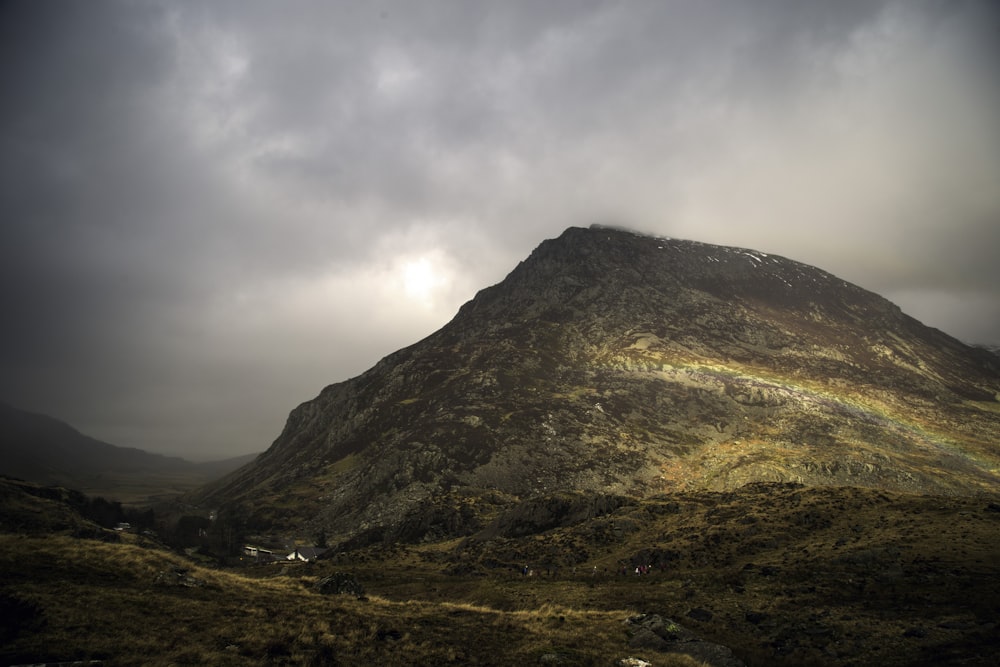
{"type": "Point", "coordinates": [177, 576]}
{"type": "Point", "coordinates": [339, 583]}
{"type": "Point", "coordinates": [653, 632]}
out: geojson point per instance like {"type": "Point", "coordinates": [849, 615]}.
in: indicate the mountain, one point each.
{"type": "Point", "coordinates": [995, 349]}
{"type": "Point", "coordinates": [617, 365]}
{"type": "Point", "coordinates": [45, 450]}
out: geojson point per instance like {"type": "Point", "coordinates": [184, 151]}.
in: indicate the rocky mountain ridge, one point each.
{"type": "Point", "coordinates": [615, 363]}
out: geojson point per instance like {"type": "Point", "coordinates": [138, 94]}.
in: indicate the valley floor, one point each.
{"type": "Point", "coordinates": [780, 575]}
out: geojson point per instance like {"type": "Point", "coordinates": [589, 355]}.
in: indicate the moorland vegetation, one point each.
{"type": "Point", "coordinates": [774, 574]}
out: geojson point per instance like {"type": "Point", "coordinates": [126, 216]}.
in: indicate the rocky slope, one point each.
{"type": "Point", "coordinates": [627, 365]}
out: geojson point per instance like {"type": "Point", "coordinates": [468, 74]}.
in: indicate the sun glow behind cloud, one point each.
{"type": "Point", "coordinates": [422, 279]}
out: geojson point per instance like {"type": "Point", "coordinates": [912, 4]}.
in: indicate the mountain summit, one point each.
{"type": "Point", "coordinates": [627, 365]}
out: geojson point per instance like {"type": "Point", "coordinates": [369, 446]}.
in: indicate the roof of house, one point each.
{"type": "Point", "coordinates": [306, 553]}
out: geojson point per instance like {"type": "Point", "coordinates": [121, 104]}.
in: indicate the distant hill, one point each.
{"type": "Point", "coordinates": [45, 450]}
{"type": "Point", "coordinates": [610, 362]}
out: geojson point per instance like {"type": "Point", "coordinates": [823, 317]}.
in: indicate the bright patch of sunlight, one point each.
{"type": "Point", "coordinates": [421, 279]}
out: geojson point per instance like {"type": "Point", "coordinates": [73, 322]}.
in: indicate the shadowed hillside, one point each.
{"type": "Point", "coordinates": [48, 451]}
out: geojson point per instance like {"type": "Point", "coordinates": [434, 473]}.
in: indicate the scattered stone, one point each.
{"type": "Point", "coordinates": [715, 655]}
{"type": "Point", "coordinates": [755, 617]}
{"type": "Point", "coordinates": [633, 662]}
{"type": "Point", "coordinates": [646, 639]}
{"type": "Point", "coordinates": [652, 632]}
{"type": "Point", "coordinates": [178, 576]}
{"type": "Point", "coordinates": [339, 583]}
{"type": "Point", "coordinates": [664, 628]}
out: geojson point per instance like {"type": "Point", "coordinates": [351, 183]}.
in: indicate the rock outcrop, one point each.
{"type": "Point", "coordinates": [652, 632]}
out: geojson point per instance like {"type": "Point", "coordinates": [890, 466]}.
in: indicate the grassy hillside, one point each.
{"type": "Point", "coordinates": [129, 604]}
{"type": "Point", "coordinates": [781, 575]}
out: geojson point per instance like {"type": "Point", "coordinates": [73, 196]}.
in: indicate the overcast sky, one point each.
{"type": "Point", "coordinates": [211, 210]}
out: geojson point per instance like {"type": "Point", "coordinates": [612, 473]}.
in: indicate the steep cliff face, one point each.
{"type": "Point", "coordinates": [625, 364]}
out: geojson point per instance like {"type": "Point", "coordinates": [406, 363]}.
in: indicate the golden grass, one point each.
{"type": "Point", "coordinates": [838, 574]}
{"type": "Point", "coordinates": [991, 406]}
{"type": "Point", "coordinates": [104, 601]}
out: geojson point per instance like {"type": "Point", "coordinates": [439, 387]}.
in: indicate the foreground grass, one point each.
{"type": "Point", "coordinates": [782, 576]}
{"type": "Point", "coordinates": [122, 604]}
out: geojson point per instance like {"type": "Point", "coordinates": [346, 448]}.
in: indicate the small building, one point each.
{"type": "Point", "coordinates": [305, 554]}
{"type": "Point", "coordinates": [259, 554]}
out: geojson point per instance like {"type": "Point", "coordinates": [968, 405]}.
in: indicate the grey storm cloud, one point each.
{"type": "Point", "coordinates": [210, 210]}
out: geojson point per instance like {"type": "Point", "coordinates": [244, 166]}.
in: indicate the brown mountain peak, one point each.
{"type": "Point", "coordinates": [616, 363]}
